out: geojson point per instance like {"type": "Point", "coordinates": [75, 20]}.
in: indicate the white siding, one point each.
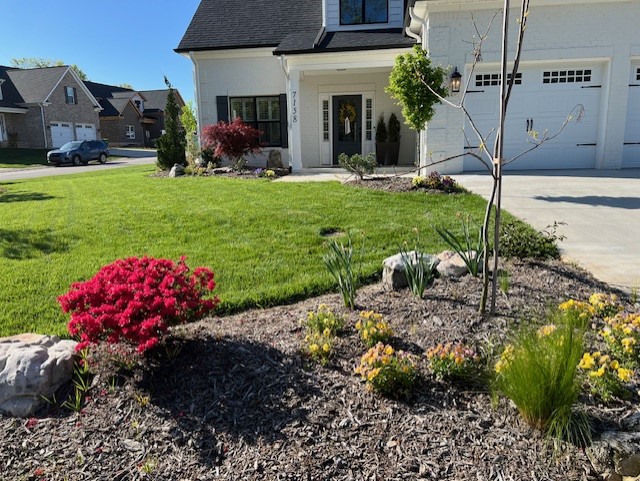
{"type": "Point", "coordinates": [605, 33]}
{"type": "Point", "coordinates": [395, 20]}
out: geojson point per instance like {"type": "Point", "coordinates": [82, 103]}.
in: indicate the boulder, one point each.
{"type": "Point", "coordinates": [176, 171]}
{"type": "Point", "coordinates": [32, 366]}
{"type": "Point", "coordinates": [393, 274]}
{"type": "Point", "coordinates": [452, 265]}
{"type": "Point", "coordinates": [275, 160]}
{"type": "Point", "coordinates": [615, 455]}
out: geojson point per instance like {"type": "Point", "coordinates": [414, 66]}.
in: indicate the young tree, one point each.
{"type": "Point", "coordinates": [190, 124]}
{"type": "Point", "coordinates": [234, 140]}
{"type": "Point", "coordinates": [45, 62]}
{"type": "Point", "coordinates": [171, 144]}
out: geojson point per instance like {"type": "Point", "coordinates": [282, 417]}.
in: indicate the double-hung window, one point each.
{"type": "Point", "coordinates": [70, 95]}
{"type": "Point", "coordinates": [263, 114]}
{"type": "Point", "coordinates": [131, 133]}
{"type": "Point", "coordinates": [355, 12]}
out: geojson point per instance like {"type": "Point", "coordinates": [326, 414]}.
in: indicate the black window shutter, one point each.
{"type": "Point", "coordinates": [75, 95]}
{"type": "Point", "coordinates": [222, 102]}
{"type": "Point", "coordinates": [284, 131]}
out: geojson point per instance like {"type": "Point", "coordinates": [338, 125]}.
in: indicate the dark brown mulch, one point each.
{"type": "Point", "coordinates": [238, 401]}
{"type": "Point", "coordinates": [393, 184]}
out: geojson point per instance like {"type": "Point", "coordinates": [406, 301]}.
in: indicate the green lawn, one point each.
{"type": "Point", "coordinates": [21, 158]}
{"type": "Point", "coordinates": [261, 238]}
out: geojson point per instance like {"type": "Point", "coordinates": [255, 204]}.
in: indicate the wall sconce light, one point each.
{"type": "Point", "coordinates": [456, 79]}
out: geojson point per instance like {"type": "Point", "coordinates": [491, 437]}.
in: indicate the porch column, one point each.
{"type": "Point", "coordinates": [295, 136]}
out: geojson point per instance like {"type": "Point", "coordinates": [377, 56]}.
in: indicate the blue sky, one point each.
{"type": "Point", "coordinates": [113, 42]}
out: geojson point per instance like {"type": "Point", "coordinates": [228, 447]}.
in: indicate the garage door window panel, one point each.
{"type": "Point", "coordinates": [566, 76]}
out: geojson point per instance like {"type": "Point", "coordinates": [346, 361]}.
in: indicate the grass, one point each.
{"type": "Point", "coordinates": [262, 239]}
{"type": "Point", "coordinates": [22, 158]}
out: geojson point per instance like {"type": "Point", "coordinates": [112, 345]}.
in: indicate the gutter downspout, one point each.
{"type": "Point", "coordinates": [424, 40]}
{"type": "Point", "coordinates": [196, 82]}
{"type": "Point", "coordinates": [407, 29]}
{"type": "Point", "coordinates": [44, 130]}
{"type": "Point", "coordinates": [425, 28]}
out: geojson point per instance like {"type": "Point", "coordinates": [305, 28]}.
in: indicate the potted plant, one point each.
{"type": "Point", "coordinates": [393, 146]}
{"type": "Point", "coordinates": [381, 141]}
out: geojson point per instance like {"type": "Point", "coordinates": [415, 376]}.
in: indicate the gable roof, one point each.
{"type": "Point", "coordinates": [104, 91]}
{"type": "Point", "coordinates": [228, 24]}
{"type": "Point", "coordinates": [310, 42]}
{"type": "Point", "coordinates": [157, 99]}
{"type": "Point", "coordinates": [10, 95]}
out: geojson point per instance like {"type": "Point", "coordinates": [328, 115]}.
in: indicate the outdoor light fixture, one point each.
{"type": "Point", "coordinates": [455, 80]}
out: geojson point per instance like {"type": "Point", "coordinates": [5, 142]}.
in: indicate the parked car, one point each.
{"type": "Point", "coordinates": [79, 152]}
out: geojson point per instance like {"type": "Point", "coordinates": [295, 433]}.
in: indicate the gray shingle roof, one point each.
{"type": "Point", "coordinates": [226, 24]}
{"type": "Point", "coordinates": [302, 42]}
{"type": "Point", "coordinates": [10, 95]}
{"type": "Point", "coordinates": [35, 84]}
{"type": "Point", "coordinates": [104, 91]}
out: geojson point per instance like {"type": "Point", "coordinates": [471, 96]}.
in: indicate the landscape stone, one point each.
{"type": "Point", "coordinates": [393, 274]}
{"type": "Point", "coordinates": [32, 366]}
{"type": "Point", "coordinates": [452, 265]}
{"type": "Point", "coordinates": [274, 161]}
{"type": "Point", "coordinates": [176, 171]}
{"type": "Point", "coordinates": [630, 466]}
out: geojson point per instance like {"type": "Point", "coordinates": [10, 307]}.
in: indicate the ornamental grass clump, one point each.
{"type": "Point", "coordinates": [605, 376]}
{"type": "Point", "coordinates": [538, 371]}
{"type": "Point", "coordinates": [339, 262]}
{"type": "Point", "coordinates": [388, 372]}
{"type": "Point", "coordinates": [373, 329]}
{"type": "Point", "coordinates": [136, 300]}
{"type": "Point", "coordinates": [453, 362]}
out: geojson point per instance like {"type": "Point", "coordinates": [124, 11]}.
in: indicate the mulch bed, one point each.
{"type": "Point", "coordinates": [234, 399]}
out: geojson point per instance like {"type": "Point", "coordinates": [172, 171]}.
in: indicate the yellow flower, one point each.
{"type": "Point", "coordinates": [373, 373]}
{"type": "Point", "coordinates": [604, 359]}
{"type": "Point", "coordinates": [358, 325]}
{"type": "Point", "coordinates": [598, 373]}
{"type": "Point", "coordinates": [388, 350]}
{"type": "Point", "coordinates": [546, 330]}
{"type": "Point", "coordinates": [627, 330]}
{"type": "Point", "coordinates": [614, 365]}
{"type": "Point", "coordinates": [326, 332]}
{"type": "Point", "coordinates": [587, 361]}
{"type": "Point", "coordinates": [313, 348]}
{"type": "Point", "coordinates": [628, 343]}
{"type": "Point", "coordinates": [326, 347]}
{"type": "Point", "coordinates": [624, 374]}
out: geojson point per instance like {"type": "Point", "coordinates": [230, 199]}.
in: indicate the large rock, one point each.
{"type": "Point", "coordinates": [394, 276]}
{"type": "Point", "coordinates": [275, 160]}
{"type": "Point", "coordinates": [32, 366]}
{"type": "Point", "coordinates": [176, 171]}
{"type": "Point", "coordinates": [452, 265]}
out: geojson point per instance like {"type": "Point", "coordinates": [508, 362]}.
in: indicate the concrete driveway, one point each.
{"type": "Point", "coordinates": [601, 210]}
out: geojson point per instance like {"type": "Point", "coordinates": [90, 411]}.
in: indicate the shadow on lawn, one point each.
{"type": "Point", "coordinates": [30, 243]}
{"type": "Point", "coordinates": [244, 389]}
{"type": "Point", "coordinates": [7, 197]}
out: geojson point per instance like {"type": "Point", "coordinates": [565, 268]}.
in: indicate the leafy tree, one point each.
{"type": "Point", "coordinates": [171, 144]}
{"type": "Point", "coordinates": [28, 62]}
{"type": "Point", "coordinates": [190, 124]}
{"type": "Point", "coordinates": [126, 86]}
{"type": "Point", "coordinates": [234, 140]}
{"type": "Point", "coordinates": [411, 73]}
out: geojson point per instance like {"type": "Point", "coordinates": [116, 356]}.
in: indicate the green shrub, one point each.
{"type": "Point", "coordinates": [435, 181]}
{"type": "Point", "coordinates": [339, 261]}
{"type": "Point", "coordinates": [171, 145]}
{"type": "Point", "coordinates": [358, 164]}
{"type": "Point", "coordinates": [323, 319]}
{"type": "Point", "coordinates": [388, 372]}
{"type": "Point", "coordinates": [538, 371]}
{"type": "Point", "coordinates": [522, 241]}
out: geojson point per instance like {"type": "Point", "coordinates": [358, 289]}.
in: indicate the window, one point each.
{"type": "Point", "coordinates": [138, 105]}
{"type": "Point", "coordinates": [131, 133]}
{"type": "Point", "coordinates": [488, 79]}
{"type": "Point", "coordinates": [368, 118]}
{"type": "Point", "coordinates": [262, 113]}
{"type": "Point", "coordinates": [325, 120]}
{"type": "Point", "coordinates": [70, 95]}
{"type": "Point", "coordinates": [566, 76]}
{"type": "Point", "coordinates": [637, 78]}
{"type": "Point", "coordinates": [354, 12]}
{"type": "Point", "coordinates": [3, 129]}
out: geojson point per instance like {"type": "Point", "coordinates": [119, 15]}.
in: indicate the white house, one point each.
{"type": "Point", "coordinates": [310, 75]}
{"type": "Point", "coordinates": [583, 52]}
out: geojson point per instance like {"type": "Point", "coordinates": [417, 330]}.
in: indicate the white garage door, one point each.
{"type": "Point", "coordinates": [540, 101]}
{"type": "Point", "coordinates": [631, 149]}
{"type": "Point", "coordinates": [85, 132]}
{"type": "Point", "coordinates": [61, 133]}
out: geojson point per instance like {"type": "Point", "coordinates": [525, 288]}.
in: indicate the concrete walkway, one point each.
{"type": "Point", "coordinates": [601, 210]}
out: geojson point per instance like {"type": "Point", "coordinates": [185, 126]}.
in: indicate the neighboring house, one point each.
{"type": "Point", "coordinates": [45, 108]}
{"type": "Point", "coordinates": [575, 52]}
{"type": "Point", "coordinates": [310, 76]}
{"type": "Point", "coordinates": [131, 117]}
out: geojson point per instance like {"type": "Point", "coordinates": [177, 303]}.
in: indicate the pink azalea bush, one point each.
{"type": "Point", "coordinates": [136, 300]}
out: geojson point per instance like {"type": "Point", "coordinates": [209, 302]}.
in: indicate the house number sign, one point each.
{"type": "Point", "coordinates": [294, 106]}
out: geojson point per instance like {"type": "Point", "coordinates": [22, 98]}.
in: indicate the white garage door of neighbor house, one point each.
{"type": "Point", "coordinates": [85, 132]}
{"type": "Point", "coordinates": [631, 149]}
{"type": "Point", "coordinates": [61, 133]}
{"type": "Point", "coordinates": [541, 100]}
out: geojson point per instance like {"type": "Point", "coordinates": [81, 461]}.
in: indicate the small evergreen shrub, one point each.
{"type": "Point", "coordinates": [522, 241]}
{"type": "Point", "coordinates": [358, 164]}
{"type": "Point", "coordinates": [136, 300]}
{"type": "Point", "coordinates": [388, 372]}
{"type": "Point", "coordinates": [171, 145]}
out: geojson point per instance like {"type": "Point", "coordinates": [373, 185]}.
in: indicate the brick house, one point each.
{"type": "Point", "coordinates": [45, 108]}
{"type": "Point", "coordinates": [131, 117]}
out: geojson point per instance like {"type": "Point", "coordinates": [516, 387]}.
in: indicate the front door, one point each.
{"type": "Point", "coordinates": [347, 125]}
